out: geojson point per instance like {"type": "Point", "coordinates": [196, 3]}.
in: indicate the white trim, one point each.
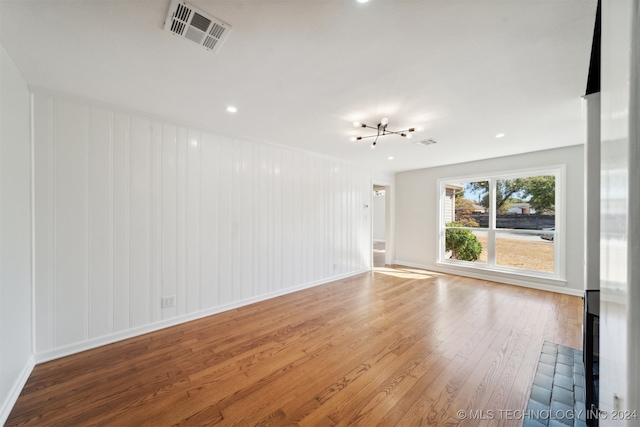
{"type": "Point", "coordinates": [518, 173]}
{"type": "Point", "coordinates": [545, 277]}
{"type": "Point", "coordinates": [559, 239]}
{"type": "Point", "coordinates": [7, 405]}
{"type": "Point", "coordinates": [134, 332]}
{"type": "Point", "coordinates": [32, 212]}
{"type": "Point", "coordinates": [491, 230]}
{"type": "Point", "coordinates": [543, 284]}
{"type": "Point", "coordinates": [390, 220]}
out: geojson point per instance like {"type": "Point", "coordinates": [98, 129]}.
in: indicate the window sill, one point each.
{"type": "Point", "coordinates": [525, 278]}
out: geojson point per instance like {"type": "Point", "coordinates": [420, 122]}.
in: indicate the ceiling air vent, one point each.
{"type": "Point", "coordinates": [189, 22]}
{"type": "Point", "coordinates": [426, 142]}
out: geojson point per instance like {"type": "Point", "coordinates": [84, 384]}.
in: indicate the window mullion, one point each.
{"type": "Point", "coordinates": [491, 232]}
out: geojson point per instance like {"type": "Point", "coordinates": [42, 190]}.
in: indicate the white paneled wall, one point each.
{"type": "Point", "coordinates": [130, 209]}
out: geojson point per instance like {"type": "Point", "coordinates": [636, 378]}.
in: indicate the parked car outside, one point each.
{"type": "Point", "coordinates": [548, 236]}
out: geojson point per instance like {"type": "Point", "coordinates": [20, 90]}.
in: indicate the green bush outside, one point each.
{"type": "Point", "coordinates": [463, 244]}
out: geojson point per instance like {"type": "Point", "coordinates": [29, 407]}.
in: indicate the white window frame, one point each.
{"type": "Point", "coordinates": [559, 171]}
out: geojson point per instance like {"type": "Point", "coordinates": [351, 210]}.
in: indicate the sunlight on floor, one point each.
{"type": "Point", "coordinates": [406, 272]}
{"type": "Point", "coordinates": [397, 271]}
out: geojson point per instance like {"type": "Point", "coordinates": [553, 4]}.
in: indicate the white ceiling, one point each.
{"type": "Point", "coordinates": [300, 72]}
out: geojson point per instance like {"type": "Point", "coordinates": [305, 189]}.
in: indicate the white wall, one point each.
{"type": "Point", "coordinates": [129, 209]}
{"type": "Point", "coordinates": [379, 218]}
{"type": "Point", "coordinates": [620, 209]}
{"type": "Point", "coordinates": [417, 214]}
{"type": "Point", "coordinates": [16, 326]}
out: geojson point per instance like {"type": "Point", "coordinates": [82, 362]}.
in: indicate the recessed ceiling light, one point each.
{"type": "Point", "coordinates": [500, 135]}
{"type": "Point", "coordinates": [390, 157]}
{"type": "Point", "coordinates": [232, 109]}
{"type": "Point", "coordinates": [362, 1]}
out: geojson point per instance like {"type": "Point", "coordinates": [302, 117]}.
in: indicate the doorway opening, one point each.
{"type": "Point", "coordinates": [379, 225]}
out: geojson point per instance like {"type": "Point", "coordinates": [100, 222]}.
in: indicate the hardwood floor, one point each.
{"type": "Point", "coordinates": [399, 346]}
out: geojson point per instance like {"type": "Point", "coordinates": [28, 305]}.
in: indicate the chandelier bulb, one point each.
{"type": "Point", "coordinates": [384, 121]}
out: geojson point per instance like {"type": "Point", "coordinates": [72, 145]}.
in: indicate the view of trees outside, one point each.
{"type": "Point", "coordinates": [465, 205]}
{"type": "Point", "coordinates": [525, 214]}
{"type": "Point", "coordinates": [538, 191]}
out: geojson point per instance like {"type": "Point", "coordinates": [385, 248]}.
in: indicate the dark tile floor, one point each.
{"type": "Point", "coordinates": [557, 394]}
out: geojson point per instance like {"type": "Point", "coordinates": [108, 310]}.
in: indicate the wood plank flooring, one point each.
{"type": "Point", "coordinates": [395, 347]}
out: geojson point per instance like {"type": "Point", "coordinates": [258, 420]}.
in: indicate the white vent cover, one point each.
{"type": "Point", "coordinates": [425, 142]}
{"type": "Point", "coordinates": [191, 23]}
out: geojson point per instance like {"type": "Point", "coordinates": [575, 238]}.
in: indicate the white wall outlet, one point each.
{"type": "Point", "coordinates": [168, 302]}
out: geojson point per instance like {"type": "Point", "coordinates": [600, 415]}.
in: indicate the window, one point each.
{"type": "Point", "coordinates": [509, 222]}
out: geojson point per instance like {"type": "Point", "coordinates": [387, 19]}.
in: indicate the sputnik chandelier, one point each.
{"type": "Point", "coordinates": [381, 131]}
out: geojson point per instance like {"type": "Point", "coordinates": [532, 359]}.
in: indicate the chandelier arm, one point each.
{"type": "Point", "coordinates": [398, 132]}
{"type": "Point", "coordinates": [384, 133]}
{"type": "Point", "coordinates": [373, 144]}
{"type": "Point", "coordinates": [368, 136]}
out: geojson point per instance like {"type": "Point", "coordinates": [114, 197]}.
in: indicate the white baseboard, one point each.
{"type": "Point", "coordinates": [156, 326]}
{"type": "Point", "coordinates": [524, 282]}
{"type": "Point", "coordinates": [7, 405]}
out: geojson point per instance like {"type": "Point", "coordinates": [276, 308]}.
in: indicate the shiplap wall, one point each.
{"type": "Point", "coordinates": [129, 209]}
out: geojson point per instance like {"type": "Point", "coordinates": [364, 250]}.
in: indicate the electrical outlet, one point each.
{"type": "Point", "coordinates": [168, 302]}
